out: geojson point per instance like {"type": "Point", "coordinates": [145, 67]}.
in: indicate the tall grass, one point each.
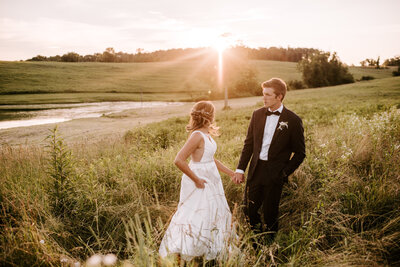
{"type": "Point", "coordinates": [64, 203]}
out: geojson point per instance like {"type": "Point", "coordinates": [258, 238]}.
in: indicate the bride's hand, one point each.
{"type": "Point", "coordinates": [200, 183]}
{"type": "Point", "coordinates": [232, 175]}
{"type": "Point", "coordinates": [238, 178]}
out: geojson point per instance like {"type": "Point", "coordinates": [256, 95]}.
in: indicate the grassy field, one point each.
{"type": "Point", "coordinates": [54, 82]}
{"type": "Point", "coordinates": [61, 204]}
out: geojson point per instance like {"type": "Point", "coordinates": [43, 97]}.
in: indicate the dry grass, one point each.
{"type": "Point", "coordinates": [341, 207]}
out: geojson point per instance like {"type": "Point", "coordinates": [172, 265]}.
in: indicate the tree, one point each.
{"type": "Point", "coordinates": [324, 69]}
{"type": "Point", "coordinates": [56, 58]}
{"type": "Point", "coordinates": [38, 58]}
{"type": "Point", "coordinates": [395, 61]}
{"type": "Point", "coordinates": [109, 55]}
{"type": "Point", "coordinates": [70, 57]}
{"type": "Point", "coordinates": [89, 58]}
{"type": "Point", "coordinates": [371, 62]}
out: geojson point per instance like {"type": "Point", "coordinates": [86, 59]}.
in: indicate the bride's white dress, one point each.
{"type": "Point", "coordinates": [201, 226]}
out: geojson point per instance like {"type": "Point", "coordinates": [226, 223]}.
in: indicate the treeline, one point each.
{"type": "Point", "coordinates": [394, 61]}
{"type": "Point", "coordinates": [109, 55]}
{"type": "Point", "coordinates": [370, 62]}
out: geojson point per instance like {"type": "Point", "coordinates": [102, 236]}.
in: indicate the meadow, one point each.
{"type": "Point", "coordinates": [64, 202]}
{"type": "Point", "coordinates": [57, 82]}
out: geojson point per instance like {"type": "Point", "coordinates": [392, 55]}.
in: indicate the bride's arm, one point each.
{"type": "Point", "coordinates": [180, 160]}
{"type": "Point", "coordinates": [221, 167]}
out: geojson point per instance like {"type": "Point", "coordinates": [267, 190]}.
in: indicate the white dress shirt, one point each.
{"type": "Point", "coordinates": [269, 130]}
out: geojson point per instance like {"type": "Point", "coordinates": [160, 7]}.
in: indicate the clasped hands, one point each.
{"type": "Point", "coordinates": [237, 178]}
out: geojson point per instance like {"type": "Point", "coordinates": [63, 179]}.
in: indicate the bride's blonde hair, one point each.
{"type": "Point", "coordinates": [202, 114]}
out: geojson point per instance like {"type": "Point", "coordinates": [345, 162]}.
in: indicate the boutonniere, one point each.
{"type": "Point", "coordinates": [282, 125]}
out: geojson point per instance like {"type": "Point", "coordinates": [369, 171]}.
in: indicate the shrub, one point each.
{"type": "Point", "coordinates": [60, 172]}
{"type": "Point", "coordinates": [367, 78]}
{"type": "Point", "coordinates": [295, 85]}
{"type": "Point", "coordinates": [396, 73]}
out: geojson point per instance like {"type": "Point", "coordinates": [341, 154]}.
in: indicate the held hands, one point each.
{"type": "Point", "coordinates": [238, 178]}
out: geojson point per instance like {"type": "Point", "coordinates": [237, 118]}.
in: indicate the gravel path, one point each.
{"type": "Point", "coordinates": [115, 125]}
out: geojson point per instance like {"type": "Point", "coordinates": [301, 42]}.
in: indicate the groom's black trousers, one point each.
{"type": "Point", "coordinates": [264, 189]}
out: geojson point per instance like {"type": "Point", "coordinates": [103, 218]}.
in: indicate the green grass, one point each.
{"type": "Point", "coordinates": [93, 77]}
{"type": "Point", "coordinates": [358, 72]}
{"type": "Point", "coordinates": [55, 82]}
{"type": "Point", "coordinates": [341, 206]}
{"type": "Point", "coordinates": [268, 69]}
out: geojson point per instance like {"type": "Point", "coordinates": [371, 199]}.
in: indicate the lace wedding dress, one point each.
{"type": "Point", "coordinates": [201, 226]}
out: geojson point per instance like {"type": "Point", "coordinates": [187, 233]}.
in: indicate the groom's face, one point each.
{"type": "Point", "coordinates": [271, 100]}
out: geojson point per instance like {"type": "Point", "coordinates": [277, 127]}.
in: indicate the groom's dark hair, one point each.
{"type": "Point", "coordinates": [277, 84]}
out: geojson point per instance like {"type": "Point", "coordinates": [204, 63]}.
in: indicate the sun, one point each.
{"type": "Point", "coordinates": [222, 42]}
{"type": "Point", "coordinates": [220, 45]}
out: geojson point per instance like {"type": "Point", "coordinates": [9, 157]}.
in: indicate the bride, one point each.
{"type": "Point", "coordinates": [201, 226]}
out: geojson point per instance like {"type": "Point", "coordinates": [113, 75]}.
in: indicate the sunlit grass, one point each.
{"type": "Point", "coordinates": [50, 82]}
{"type": "Point", "coordinates": [340, 207]}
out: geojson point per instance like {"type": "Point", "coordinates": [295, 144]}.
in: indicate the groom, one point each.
{"type": "Point", "coordinates": [275, 144]}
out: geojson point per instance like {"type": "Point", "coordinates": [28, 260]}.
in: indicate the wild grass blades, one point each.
{"type": "Point", "coordinates": [340, 208]}
{"type": "Point", "coordinates": [140, 242]}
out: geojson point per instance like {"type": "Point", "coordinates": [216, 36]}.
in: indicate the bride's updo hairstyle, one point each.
{"type": "Point", "coordinates": [202, 114]}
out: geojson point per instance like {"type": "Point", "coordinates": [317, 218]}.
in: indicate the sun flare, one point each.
{"type": "Point", "coordinates": [222, 42]}
{"type": "Point", "coordinates": [220, 46]}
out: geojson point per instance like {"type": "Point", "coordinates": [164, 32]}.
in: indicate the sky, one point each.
{"type": "Point", "coordinates": [355, 29]}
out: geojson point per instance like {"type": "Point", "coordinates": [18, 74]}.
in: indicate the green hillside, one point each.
{"type": "Point", "coordinates": [55, 82]}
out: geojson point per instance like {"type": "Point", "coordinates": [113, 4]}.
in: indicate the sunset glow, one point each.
{"type": "Point", "coordinates": [220, 45]}
{"type": "Point", "coordinates": [220, 67]}
{"type": "Point", "coordinates": [51, 28]}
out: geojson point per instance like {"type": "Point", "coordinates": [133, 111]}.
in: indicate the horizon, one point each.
{"type": "Point", "coordinates": [356, 30]}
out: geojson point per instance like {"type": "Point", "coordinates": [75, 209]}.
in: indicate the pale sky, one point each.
{"type": "Point", "coordinates": [356, 29]}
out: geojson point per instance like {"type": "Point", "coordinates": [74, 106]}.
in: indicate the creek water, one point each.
{"type": "Point", "coordinates": [28, 115]}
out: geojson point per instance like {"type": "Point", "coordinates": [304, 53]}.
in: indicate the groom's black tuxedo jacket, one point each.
{"type": "Point", "coordinates": [286, 140]}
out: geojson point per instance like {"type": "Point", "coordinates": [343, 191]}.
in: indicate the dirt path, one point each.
{"type": "Point", "coordinates": [93, 129]}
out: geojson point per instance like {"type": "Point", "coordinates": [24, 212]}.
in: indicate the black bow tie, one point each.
{"type": "Point", "coordinates": [272, 113]}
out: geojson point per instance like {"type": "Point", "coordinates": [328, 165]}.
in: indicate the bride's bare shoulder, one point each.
{"type": "Point", "coordinates": [195, 138]}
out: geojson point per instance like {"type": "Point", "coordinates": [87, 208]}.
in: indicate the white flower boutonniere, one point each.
{"type": "Point", "coordinates": [282, 125]}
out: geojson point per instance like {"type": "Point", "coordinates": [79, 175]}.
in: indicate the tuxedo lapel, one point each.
{"type": "Point", "coordinates": [261, 127]}
{"type": "Point", "coordinates": [277, 133]}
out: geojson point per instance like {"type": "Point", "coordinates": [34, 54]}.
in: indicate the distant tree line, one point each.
{"type": "Point", "coordinates": [370, 62]}
{"type": "Point", "coordinates": [280, 53]}
{"type": "Point", "coordinates": [394, 61]}
{"type": "Point", "coordinates": [109, 55]}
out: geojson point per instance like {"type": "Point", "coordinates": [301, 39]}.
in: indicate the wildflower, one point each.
{"type": "Point", "coordinates": [94, 260]}
{"type": "Point", "coordinates": [77, 264]}
{"type": "Point", "coordinates": [41, 241]}
{"type": "Point", "coordinates": [109, 259]}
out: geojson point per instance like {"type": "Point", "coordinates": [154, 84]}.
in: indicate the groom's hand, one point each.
{"type": "Point", "coordinates": [238, 178]}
